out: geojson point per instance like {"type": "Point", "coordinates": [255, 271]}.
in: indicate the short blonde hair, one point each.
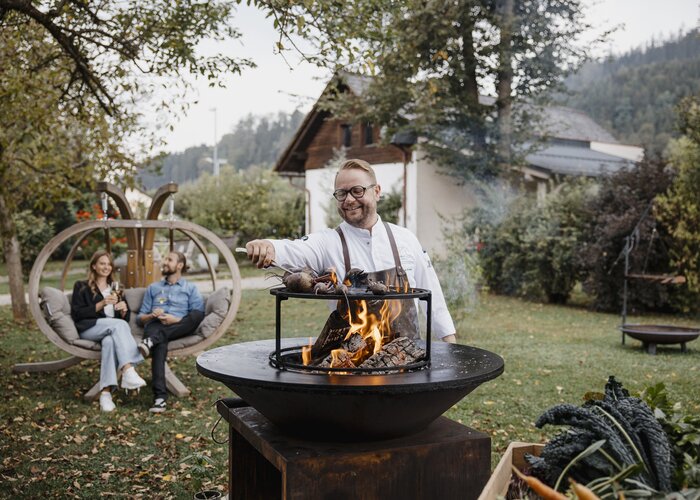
{"type": "Point", "coordinates": [359, 164]}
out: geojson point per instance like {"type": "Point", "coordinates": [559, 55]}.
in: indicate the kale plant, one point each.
{"type": "Point", "coordinates": [614, 436]}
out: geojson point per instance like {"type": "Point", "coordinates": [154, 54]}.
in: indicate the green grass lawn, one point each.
{"type": "Point", "coordinates": [55, 445]}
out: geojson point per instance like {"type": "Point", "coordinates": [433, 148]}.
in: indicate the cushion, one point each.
{"type": "Point", "coordinates": [184, 342]}
{"type": "Point", "coordinates": [215, 310]}
{"type": "Point", "coordinates": [218, 302]}
{"type": "Point", "coordinates": [56, 307]}
{"type": "Point", "coordinates": [134, 297]}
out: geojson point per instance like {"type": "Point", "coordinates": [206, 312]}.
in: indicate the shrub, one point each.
{"type": "Point", "coordinates": [679, 208]}
{"type": "Point", "coordinates": [33, 233]}
{"type": "Point", "coordinates": [532, 251]}
{"type": "Point", "coordinates": [613, 214]}
{"type": "Point", "coordinates": [254, 203]}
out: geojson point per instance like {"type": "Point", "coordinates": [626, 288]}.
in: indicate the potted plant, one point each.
{"type": "Point", "coordinates": [200, 466]}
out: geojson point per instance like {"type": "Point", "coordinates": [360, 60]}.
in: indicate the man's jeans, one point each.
{"type": "Point", "coordinates": [161, 334]}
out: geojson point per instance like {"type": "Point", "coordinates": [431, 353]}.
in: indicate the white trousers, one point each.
{"type": "Point", "coordinates": [118, 347]}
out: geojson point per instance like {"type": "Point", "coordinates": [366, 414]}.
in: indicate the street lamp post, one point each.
{"type": "Point", "coordinates": [216, 149]}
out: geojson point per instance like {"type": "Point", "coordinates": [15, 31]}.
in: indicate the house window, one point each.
{"type": "Point", "coordinates": [346, 135]}
{"type": "Point", "coordinates": [369, 134]}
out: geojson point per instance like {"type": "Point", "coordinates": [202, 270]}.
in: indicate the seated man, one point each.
{"type": "Point", "coordinates": [172, 308]}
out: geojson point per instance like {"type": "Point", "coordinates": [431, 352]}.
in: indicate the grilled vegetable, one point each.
{"type": "Point", "coordinates": [301, 281]}
{"type": "Point", "coordinates": [378, 288]}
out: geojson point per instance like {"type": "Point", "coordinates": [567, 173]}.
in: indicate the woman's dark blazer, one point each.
{"type": "Point", "coordinates": [82, 308]}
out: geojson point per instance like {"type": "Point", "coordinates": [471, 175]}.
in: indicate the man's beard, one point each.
{"type": "Point", "coordinates": [166, 271]}
{"type": "Point", "coordinates": [365, 216]}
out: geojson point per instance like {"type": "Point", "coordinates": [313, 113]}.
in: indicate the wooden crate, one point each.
{"type": "Point", "coordinates": [497, 485]}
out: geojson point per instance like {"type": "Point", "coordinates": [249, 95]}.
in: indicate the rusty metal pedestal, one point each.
{"type": "Point", "coordinates": [446, 460]}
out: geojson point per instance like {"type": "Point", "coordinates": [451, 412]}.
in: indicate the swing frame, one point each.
{"type": "Point", "coordinates": [139, 273]}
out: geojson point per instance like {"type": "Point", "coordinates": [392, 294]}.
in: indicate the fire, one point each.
{"type": "Point", "coordinates": [374, 328]}
{"type": "Point", "coordinates": [306, 352]}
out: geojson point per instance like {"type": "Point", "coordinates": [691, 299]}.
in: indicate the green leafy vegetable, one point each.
{"type": "Point", "coordinates": [632, 436]}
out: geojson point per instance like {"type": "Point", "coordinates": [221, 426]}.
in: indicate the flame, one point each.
{"type": "Point", "coordinates": [374, 328]}
{"type": "Point", "coordinates": [306, 353]}
{"type": "Point", "coordinates": [334, 276]}
{"type": "Point", "coordinates": [335, 357]}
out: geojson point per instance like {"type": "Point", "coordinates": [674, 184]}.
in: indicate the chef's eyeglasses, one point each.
{"type": "Point", "coordinates": [357, 192]}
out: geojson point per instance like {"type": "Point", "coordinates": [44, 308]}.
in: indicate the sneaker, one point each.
{"type": "Point", "coordinates": [145, 347]}
{"type": "Point", "coordinates": [106, 403]}
{"type": "Point", "coordinates": [131, 379]}
{"type": "Point", "coordinates": [159, 406]}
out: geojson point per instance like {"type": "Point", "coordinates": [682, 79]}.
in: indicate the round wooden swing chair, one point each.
{"type": "Point", "coordinates": [650, 335]}
{"type": "Point", "coordinates": [138, 273]}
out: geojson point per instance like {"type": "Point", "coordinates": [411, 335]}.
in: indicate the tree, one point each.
{"type": "Point", "coordinates": [622, 204]}
{"type": "Point", "coordinates": [249, 204]}
{"type": "Point", "coordinates": [431, 61]}
{"type": "Point", "coordinates": [679, 208]}
{"type": "Point", "coordinates": [42, 153]}
{"type": "Point", "coordinates": [72, 74]}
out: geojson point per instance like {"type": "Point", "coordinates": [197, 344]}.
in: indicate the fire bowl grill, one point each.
{"type": "Point", "coordinates": [325, 406]}
{"type": "Point", "coordinates": [290, 358]}
{"type": "Point", "coordinates": [650, 335]}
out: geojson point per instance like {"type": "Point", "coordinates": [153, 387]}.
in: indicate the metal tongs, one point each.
{"type": "Point", "coordinates": [273, 263]}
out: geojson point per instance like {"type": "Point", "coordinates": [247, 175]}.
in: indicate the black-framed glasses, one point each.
{"type": "Point", "coordinates": [357, 192]}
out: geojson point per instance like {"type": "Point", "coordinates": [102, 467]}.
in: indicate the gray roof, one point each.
{"type": "Point", "coordinates": [574, 160]}
{"type": "Point", "coordinates": [569, 123]}
{"type": "Point", "coordinates": [358, 84]}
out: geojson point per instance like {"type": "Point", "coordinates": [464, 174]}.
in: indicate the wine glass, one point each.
{"type": "Point", "coordinates": [117, 290]}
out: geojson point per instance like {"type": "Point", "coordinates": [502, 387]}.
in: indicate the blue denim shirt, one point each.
{"type": "Point", "coordinates": [177, 299]}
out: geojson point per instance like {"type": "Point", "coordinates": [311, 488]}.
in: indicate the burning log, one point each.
{"type": "Point", "coordinates": [333, 333]}
{"type": "Point", "coordinates": [400, 351]}
{"type": "Point", "coordinates": [339, 358]}
{"type": "Point", "coordinates": [349, 346]}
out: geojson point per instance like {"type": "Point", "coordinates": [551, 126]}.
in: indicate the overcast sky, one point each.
{"type": "Point", "coordinates": [274, 85]}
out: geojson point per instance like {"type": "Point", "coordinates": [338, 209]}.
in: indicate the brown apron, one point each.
{"type": "Point", "coordinates": [405, 324]}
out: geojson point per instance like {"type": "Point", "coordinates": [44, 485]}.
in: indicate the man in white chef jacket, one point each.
{"type": "Point", "coordinates": [362, 241]}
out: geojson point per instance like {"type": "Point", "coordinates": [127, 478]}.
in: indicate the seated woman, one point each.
{"type": "Point", "coordinates": [101, 316]}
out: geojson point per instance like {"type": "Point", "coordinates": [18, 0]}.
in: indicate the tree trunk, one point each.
{"type": "Point", "coordinates": [8, 231]}
{"type": "Point", "coordinates": [504, 85]}
{"type": "Point", "coordinates": [470, 84]}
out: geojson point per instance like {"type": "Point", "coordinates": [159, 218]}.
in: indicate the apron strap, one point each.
{"type": "Point", "coordinates": [346, 252]}
{"type": "Point", "coordinates": [397, 260]}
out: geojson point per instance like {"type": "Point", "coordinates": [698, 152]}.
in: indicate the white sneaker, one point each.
{"type": "Point", "coordinates": [131, 379]}
{"type": "Point", "coordinates": [106, 403]}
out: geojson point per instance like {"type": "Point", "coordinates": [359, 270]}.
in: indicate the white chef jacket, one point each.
{"type": "Point", "coordinates": [370, 252]}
